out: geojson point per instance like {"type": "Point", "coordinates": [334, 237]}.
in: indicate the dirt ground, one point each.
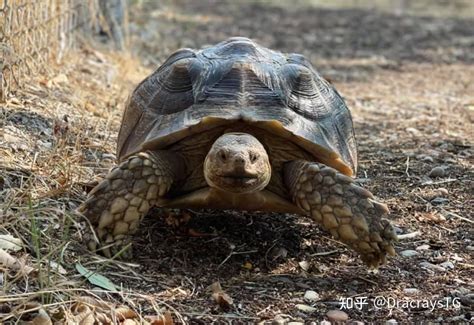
{"type": "Point", "coordinates": [406, 73]}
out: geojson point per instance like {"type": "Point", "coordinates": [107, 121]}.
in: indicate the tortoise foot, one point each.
{"type": "Point", "coordinates": [346, 210]}
{"type": "Point", "coordinates": [116, 206]}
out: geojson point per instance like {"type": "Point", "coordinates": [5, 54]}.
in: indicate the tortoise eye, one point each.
{"type": "Point", "coordinates": [223, 155]}
{"type": "Point", "coordinates": [253, 157]}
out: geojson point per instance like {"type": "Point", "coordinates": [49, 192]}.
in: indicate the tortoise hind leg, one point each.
{"type": "Point", "coordinates": [116, 206]}
{"type": "Point", "coordinates": [344, 209]}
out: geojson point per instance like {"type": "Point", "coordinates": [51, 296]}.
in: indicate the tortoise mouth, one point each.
{"type": "Point", "coordinates": [239, 178]}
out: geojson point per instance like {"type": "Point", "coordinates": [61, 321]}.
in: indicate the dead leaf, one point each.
{"type": "Point", "coordinates": [102, 318]}
{"type": "Point", "coordinates": [42, 318]}
{"type": "Point", "coordinates": [247, 265]}
{"type": "Point", "coordinates": [14, 263]}
{"type": "Point", "coordinates": [60, 79]}
{"type": "Point", "coordinates": [8, 242]}
{"type": "Point", "coordinates": [87, 300]}
{"type": "Point", "coordinates": [431, 217]}
{"type": "Point", "coordinates": [222, 298]}
{"type": "Point", "coordinates": [123, 313]}
{"type": "Point", "coordinates": [165, 319]}
{"type": "Point", "coordinates": [83, 316]}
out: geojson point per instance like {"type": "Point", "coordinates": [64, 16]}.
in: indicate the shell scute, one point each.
{"type": "Point", "coordinates": [239, 80]}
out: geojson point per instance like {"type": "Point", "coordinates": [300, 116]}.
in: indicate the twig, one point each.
{"type": "Point", "coordinates": [409, 235]}
{"type": "Point", "coordinates": [407, 166]}
{"type": "Point", "coordinates": [233, 316]}
{"type": "Point", "coordinates": [458, 216]}
{"type": "Point", "coordinates": [325, 253]}
{"type": "Point", "coordinates": [471, 266]}
{"type": "Point", "coordinates": [449, 180]}
{"type": "Point", "coordinates": [235, 253]}
{"type": "Point", "coordinates": [367, 280]}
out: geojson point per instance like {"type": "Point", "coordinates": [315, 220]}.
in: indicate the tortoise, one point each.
{"type": "Point", "coordinates": [238, 126]}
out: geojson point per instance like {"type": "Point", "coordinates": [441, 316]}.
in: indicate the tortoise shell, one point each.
{"type": "Point", "coordinates": [239, 81]}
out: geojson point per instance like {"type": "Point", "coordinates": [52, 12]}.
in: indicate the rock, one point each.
{"type": "Point", "coordinates": [337, 316]}
{"type": "Point", "coordinates": [409, 253]}
{"type": "Point", "coordinates": [437, 172]}
{"type": "Point", "coordinates": [306, 308]}
{"type": "Point", "coordinates": [391, 322]}
{"type": "Point", "coordinates": [447, 265]}
{"type": "Point", "coordinates": [423, 247]}
{"type": "Point", "coordinates": [433, 267]}
{"type": "Point", "coordinates": [311, 295]}
{"type": "Point", "coordinates": [324, 322]}
{"type": "Point", "coordinates": [470, 248]}
{"type": "Point", "coordinates": [411, 291]}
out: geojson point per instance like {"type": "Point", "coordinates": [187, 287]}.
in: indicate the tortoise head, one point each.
{"type": "Point", "coordinates": [237, 163]}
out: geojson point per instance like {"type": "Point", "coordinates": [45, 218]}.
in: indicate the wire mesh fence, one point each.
{"type": "Point", "coordinates": [33, 32]}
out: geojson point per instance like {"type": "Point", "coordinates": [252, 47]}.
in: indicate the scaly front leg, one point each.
{"type": "Point", "coordinates": [116, 206]}
{"type": "Point", "coordinates": [344, 209]}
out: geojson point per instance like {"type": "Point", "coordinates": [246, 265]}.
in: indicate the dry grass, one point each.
{"type": "Point", "coordinates": [413, 111]}
{"type": "Point", "coordinates": [59, 136]}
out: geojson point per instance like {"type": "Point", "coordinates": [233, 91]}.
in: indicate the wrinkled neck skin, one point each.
{"type": "Point", "coordinates": [237, 163]}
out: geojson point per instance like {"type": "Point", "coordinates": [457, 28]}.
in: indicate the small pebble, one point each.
{"type": "Point", "coordinates": [470, 248]}
{"type": "Point", "coordinates": [467, 299]}
{"type": "Point", "coordinates": [391, 322]}
{"type": "Point", "coordinates": [433, 267]}
{"type": "Point", "coordinates": [355, 322]}
{"type": "Point", "coordinates": [413, 131]}
{"type": "Point", "coordinates": [428, 159]}
{"type": "Point", "coordinates": [439, 200]}
{"type": "Point", "coordinates": [409, 253]}
{"type": "Point", "coordinates": [423, 247]}
{"type": "Point", "coordinates": [304, 265]}
{"type": "Point", "coordinates": [398, 230]}
{"type": "Point", "coordinates": [411, 291]}
{"type": "Point", "coordinates": [442, 191]}
{"type": "Point", "coordinates": [447, 265]}
{"type": "Point", "coordinates": [337, 315]}
{"type": "Point", "coordinates": [325, 322]}
{"type": "Point", "coordinates": [279, 320]}
{"type": "Point", "coordinates": [305, 308]}
{"type": "Point", "coordinates": [437, 172]}
{"type": "Point", "coordinates": [311, 295]}
{"type": "Point", "coordinates": [278, 252]}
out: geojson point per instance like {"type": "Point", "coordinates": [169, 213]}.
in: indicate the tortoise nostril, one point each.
{"type": "Point", "coordinates": [239, 160]}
